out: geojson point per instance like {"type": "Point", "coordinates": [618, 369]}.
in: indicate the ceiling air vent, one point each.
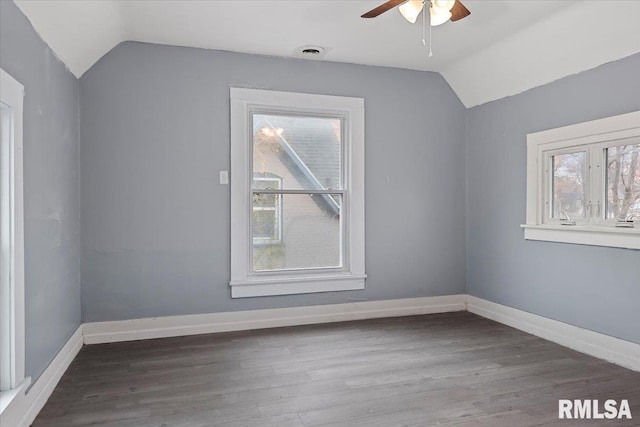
{"type": "Point", "coordinates": [310, 52]}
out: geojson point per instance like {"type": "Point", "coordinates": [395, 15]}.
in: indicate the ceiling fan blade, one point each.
{"type": "Point", "coordinates": [459, 11]}
{"type": "Point", "coordinates": [382, 8]}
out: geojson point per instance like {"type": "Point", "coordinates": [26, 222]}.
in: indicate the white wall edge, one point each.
{"type": "Point", "coordinates": [172, 326]}
{"type": "Point", "coordinates": [614, 350]}
{"type": "Point", "coordinates": [24, 409]}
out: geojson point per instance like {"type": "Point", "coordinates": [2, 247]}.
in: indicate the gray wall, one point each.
{"type": "Point", "coordinates": [593, 287]}
{"type": "Point", "coordinates": [155, 225]}
{"type": "Point", "coordinates": [51, 188]}
{"type": "Point", "coordinates": [155, 221]}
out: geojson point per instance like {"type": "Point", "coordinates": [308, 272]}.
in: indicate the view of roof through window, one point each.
{"type": "Point", "coordinates": [296, 230]}
{"type": "Point", "coordinates": [309, 147]}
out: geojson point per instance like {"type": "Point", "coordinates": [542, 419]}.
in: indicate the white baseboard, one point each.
{"type": "Point", "coordinates": [24, 408]}
{"type": "Point", "coordinates": [620, 352]}
{"type": "Point", "coordinates": [614, 350]}
{"type": "Point", "coordinates": [172, 326]}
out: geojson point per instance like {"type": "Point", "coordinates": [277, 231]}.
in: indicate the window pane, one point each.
{"type": "Point", "coordinates": [310, 236]}
{"type": "Point", "coordinates": [265, 200]}
{"type": "Point", "coordinates": [569, 190]}
{"type": "Point", "coordinates": [623, 182]}
{"type": "Point", "coordinates": [265, 225]}
{"type": "Point", "coordinates": [304, 151]}
{"type": "Point", "coordinates": [264, 182]}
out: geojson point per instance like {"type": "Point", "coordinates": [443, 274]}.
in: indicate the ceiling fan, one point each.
{"type": "Point", "coordinates": [440, 11]}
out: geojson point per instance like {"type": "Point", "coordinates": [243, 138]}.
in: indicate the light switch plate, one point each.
{"type": "Point", "coordinates": [224, 177]}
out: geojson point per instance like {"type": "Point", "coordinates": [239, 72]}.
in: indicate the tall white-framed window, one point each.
{"type": "Point", "coordinates": [583, 183]}
{"type": "Point", "coordinates": [297, 193]}
{"type": "Point", "coordinates": [12, 356]}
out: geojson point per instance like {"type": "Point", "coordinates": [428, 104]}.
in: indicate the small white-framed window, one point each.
{"type": "Point", "coordinates": [12, 322]}
{"type": "Point", "coordinates": [583, 183]}
{"type": "Point", "coordinates": [297, 193]}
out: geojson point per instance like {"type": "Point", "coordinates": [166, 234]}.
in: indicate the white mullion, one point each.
{"type": "Point", "coordinates": [278, 191]}
{"type": "Point", "coordinates": [588, 187]}
{"type": "Point", "coordinates": [547, 187]}
{"type": "Point", "coordinates": [345, 212]}
{"type": "Point", "coordinates": [596, 180]}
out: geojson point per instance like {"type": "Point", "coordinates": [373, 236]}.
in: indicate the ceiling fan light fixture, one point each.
{"type": "Point", "coordinates": [438, 16]}
{"type": "Point", "coordinates": [443, 5]}
{"type": "Point", "coordinates": [411, 9]}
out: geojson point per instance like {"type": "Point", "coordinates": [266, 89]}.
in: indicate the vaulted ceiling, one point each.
{"type": "Point", "coordinates": [501, 49]}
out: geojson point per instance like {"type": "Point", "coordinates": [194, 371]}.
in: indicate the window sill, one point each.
{"type": "Point", "coordinates": [259, 287]}
{"type": "Point", "coordinates": [8, 396]}
{"type": "Point", "coordinates": [628, 238]}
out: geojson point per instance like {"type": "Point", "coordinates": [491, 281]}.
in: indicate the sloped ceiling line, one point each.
{"type": "Point", "coordinates": [502, 49]}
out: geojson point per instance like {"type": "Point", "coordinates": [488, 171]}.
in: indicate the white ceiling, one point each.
{"type": "Point", "coordinates": [501, 49]}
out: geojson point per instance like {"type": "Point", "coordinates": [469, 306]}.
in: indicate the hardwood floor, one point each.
{"type": "Point", "coordinates": [454, 369]}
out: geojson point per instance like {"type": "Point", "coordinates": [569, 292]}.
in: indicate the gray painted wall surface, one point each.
{"type": "Point", "coordinates": [155, 229]}
{"type": "Point", "coordinates": [51, 188]}
{"type": "Point", "coordinates": [593, 287]}
{"type": "Point", "coordinates": [155, 221]}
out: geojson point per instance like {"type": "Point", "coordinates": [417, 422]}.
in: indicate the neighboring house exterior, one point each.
{"type": "Point", "coordinates": [296, 230]}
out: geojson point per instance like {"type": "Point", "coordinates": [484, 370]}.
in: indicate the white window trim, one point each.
{"type": "Point", "coordinates": [243, 282]}
{"type": "Point", "coordinates": [12, 312]}
{"type": "Point", "coordinates": [589, 136]}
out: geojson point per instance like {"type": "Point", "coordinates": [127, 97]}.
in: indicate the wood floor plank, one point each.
{"type": "Point", "coordinates": [452, 369]}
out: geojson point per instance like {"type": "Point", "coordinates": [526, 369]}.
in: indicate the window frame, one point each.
{"type": "Point", "coordinates": [594, 137]}
{"type": "Point", "coordinates": [12, 313]}
{"type": "Point", "coordinates": [351, 276]}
